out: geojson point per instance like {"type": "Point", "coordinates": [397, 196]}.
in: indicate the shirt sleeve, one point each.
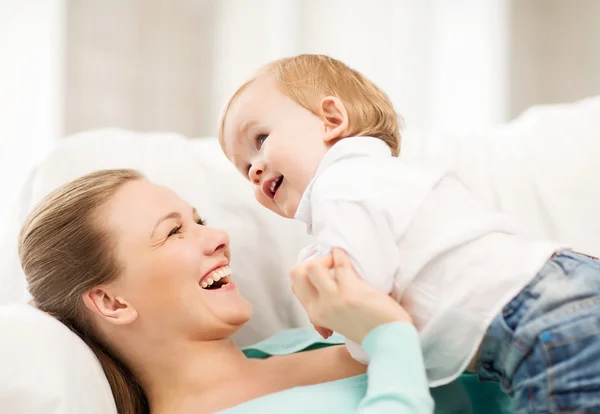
{"type": "Point", "coordinates": [364, 233]}
{"type": "Point", "coordinates": [397, 382]}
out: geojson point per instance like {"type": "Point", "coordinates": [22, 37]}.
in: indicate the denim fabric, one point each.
{"type": "Point", "coordinates": [544, 348]}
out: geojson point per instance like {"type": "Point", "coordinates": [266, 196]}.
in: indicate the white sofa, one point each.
{"type": "Point", "coordinates": [541, 168]}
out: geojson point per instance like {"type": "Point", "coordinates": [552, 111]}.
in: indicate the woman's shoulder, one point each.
{"type": "Point", "coordinates": [313, 395]}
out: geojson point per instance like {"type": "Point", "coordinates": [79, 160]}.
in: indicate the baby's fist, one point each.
{"type": "Point", "coordinates": [324, 332]}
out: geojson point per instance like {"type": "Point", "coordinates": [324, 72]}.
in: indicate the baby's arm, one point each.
{"type": "Point", "coordinates": [396, 381]}
{"type": "Point", "coordinates": [364, 234]}
{"type": "Point", "coordinates": [367, 240]}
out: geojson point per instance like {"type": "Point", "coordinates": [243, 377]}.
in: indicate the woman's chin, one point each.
{"type": "Point", "coordinates": [231, 308]}
{"type": "Point", "coordinates": [237, 314]}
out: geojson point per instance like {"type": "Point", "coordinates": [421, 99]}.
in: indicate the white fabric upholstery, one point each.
{"type": "Point", "coordinates": [542, 168]}
{"type": "Point", "coordinates": [46, 369]}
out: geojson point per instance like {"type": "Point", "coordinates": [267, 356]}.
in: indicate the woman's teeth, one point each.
{"type": "Point", "coordinates": [219, 276]}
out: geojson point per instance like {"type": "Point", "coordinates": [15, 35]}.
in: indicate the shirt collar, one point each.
{"type": "Point", "coordinates": [345, 148]}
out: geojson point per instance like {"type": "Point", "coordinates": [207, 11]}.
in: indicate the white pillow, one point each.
{"type": "Point", "coordinates": [45, 368]}
{"type": "Point", "coordinates": [541, 168]}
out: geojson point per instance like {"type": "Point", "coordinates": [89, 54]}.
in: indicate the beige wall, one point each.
{"type": "Point", "coordinates": [554, 51]}
{"type": "Point", "coordinates": [138, 64]}
{"type": "Point", "coordinates": [149, 64]}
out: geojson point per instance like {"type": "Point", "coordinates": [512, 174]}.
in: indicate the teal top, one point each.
{"type": "Point", "coordinates": [394, 383]}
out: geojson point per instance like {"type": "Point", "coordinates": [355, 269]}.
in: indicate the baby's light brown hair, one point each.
{"type": "Point", "coordinates": [307, 79]}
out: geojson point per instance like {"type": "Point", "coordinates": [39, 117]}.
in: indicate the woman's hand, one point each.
{"type": "Point", "coordinates": [342, 302]}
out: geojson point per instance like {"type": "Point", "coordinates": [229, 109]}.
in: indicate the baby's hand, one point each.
{"type": "Point", "coordinates": [324, 332]}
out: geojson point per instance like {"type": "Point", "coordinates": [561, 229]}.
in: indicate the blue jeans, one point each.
{"type": "Point", "coordinates": [544, 347]}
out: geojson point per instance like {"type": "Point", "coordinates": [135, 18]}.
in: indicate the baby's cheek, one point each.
{"type": "Point", "coordinates": [260, 196]}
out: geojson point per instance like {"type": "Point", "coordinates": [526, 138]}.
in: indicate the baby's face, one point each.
{"type": "Point", "coordinates": [275, 143]}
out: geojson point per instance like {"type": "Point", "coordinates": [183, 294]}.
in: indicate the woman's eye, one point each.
{"type": "Point", "coordinates": [260, 139]}
{"type": "Point", "coordinates": [175, 231]}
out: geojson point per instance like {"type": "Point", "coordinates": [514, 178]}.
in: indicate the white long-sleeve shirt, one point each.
{"type": "Point", "coordinates": [421, 236]}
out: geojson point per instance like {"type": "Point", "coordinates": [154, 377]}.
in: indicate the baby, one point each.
{"type": "Point", "coordinates": [319, 143]}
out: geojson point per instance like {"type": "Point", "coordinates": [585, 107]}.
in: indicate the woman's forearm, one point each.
{"type": "Point", "coordinates": [397, 380]}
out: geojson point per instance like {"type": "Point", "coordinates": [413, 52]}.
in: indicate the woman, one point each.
{"type": "Point", "coordinates": [133, 270]}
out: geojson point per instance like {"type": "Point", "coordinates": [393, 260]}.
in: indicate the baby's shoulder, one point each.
{"type": "Point", "coordinates": [350, 181]}
{"type": "Point", "coordinates": [369, 177]}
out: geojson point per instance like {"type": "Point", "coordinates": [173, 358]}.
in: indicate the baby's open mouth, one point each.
{"type": "Point", "coordinates": [216, 279]}
{"type": "Point", "coordinates": [274, 186]}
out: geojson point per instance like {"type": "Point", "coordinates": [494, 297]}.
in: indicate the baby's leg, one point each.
{"type": "Point", "coordinates": [544, 347]}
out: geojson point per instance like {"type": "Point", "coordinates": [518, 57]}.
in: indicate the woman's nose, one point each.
{"type": "Point", "coordinates": [216, 242]}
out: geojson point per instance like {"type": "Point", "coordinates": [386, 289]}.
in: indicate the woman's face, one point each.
{"type": "Point", "coordinates": [175, 274]}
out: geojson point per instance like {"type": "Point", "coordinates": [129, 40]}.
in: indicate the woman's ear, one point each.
{"type": "Point", "coordinates": [109, 307]}
{"type": "Point", "coordinates": [335, 118]}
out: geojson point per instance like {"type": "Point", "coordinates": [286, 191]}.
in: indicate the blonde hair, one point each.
{"type": "Point", "coordinates": [64, 252]}
{"type": "Point", "coordinates": [309, 78]}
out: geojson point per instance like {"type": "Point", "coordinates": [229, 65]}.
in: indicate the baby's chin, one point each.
{"type": "Point", "coordinates": [285, 211]}
{"type": "Point", "coordinates": [289, 211]}
{"type": "Point", "coordinates": [290, 208]}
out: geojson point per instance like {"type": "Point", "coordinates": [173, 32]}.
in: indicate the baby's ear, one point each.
{"type": "Point", "coordinates": [335, 118]}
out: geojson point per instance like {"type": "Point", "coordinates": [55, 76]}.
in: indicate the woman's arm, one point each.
{"type": "Point", "coordinates": [397, 381]}
{"type": "Point", "coordinates": [346, 304]}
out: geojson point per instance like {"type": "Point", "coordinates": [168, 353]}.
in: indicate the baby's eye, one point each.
{"type": "Point", "coordinates": [260, 140]}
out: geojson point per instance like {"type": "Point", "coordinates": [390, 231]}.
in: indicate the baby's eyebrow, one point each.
{"type": "Point", "coordinates": [246, 125]}
{"type": "Point", "coordinates": [240, 165]}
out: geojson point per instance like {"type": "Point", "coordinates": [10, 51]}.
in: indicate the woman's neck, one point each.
{"type": "Point", "coordinates": [184, 374]}
{"type": "Point", "coordinates": [198, 377]}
